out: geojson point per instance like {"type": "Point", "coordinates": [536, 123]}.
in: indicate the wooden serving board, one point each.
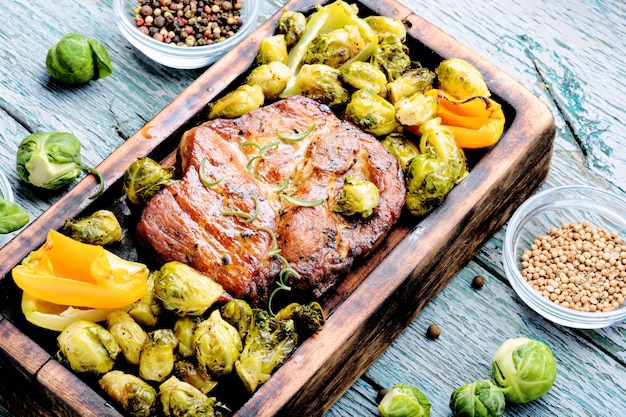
{"type": "Point", "coordinates": [372, 305]}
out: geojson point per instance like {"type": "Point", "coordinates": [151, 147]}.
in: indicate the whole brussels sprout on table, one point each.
{"type": "Point", "coordinates": [76, 60]}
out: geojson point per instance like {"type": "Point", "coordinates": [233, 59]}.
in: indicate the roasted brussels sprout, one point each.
{"type": "Point", "coordinates": [384, 25]}
{"type": "Point", "coordinates": [144, 178]}
{"type": "Point", "coordinates": [238, 314]}
{"type": "Point", "coordinates": [51, 160]}
{"type": "Point", "coordinates": [180, 399]}
{"type": "Point", "coordinates": [188, 372]}
{"type": "Point", "coordinates": [128, 334]}
{"type": "Point", "coordinates": [479, 399]}
{"type": "Point", "coordinates": [392, 56]}
{"type": "Point", "coordinates": [76, 60]}
{"type": "Point", "coordinates": [272, 78]}
{"type": "Point", "coordinates": [238, 102]}
{"type": "Point", "coordinates": [184, 327]}
{"type": "Point", "coordinates": [358, 197]}
{"type": "Point", "coordinates": [461, 79]}
{"type": "Point", "coordinates": [336, 47]}
{"type": "Point", "coordinates": [404, 400]}
{"type": "Point", "coordinates": [268, 344]}
{"type": "Point", "coordinates": [158, 355]}
{"type": "Point", "coordinates": [435, 171]}
{"type": "Point", "coordinates": [145, 310]}
{"type": "Point", "coordinates": [365, 76]}
{"type": "Point", "coordinates": [417, 80]}
{"type": "Point", "coordinates": [308, 319]}
{"type": "Point", "coordinates": [185, 291]}
{"type": "Point", "coordinates": [291, 24]}
{"type": "Point", "coordinates": [100, 228]}
{"type": "Point", "coordinates": [322, 83]}
{"type": "Point", "coordinates": [132, 393]}
{"type": "Point", "coordinates": [416, 109]}
{"type": "Point", "coordinates": [402, 148]}
{"type": "Point", "coordinates": [272, 49]}
{"type": "Point", "coordinates": [371, 112]}
{"type": "Point", "coordinates": [88, 347]}
{"type": "Point", "coordinates": [217, 345]}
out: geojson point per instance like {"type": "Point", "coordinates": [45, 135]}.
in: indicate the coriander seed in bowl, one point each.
{"type": "Point", "coordinates": [565, 255]}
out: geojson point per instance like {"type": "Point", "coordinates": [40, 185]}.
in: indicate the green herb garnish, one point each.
{"type": "Point", "coordinates": [203, 179]}
{"type": "Point", "coordinates": [298, 136]}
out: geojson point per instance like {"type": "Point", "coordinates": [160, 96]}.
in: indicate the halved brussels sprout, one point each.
{"type": "Point", "coordinates": [100, 228]}
{"type": "Point", "coordinates": [384, 25]}
{"type": "Point", "coordinates": [272, 49]}
{"type": "Point", "coordinates": [417, 80]}
{"type": "Point", "coordinates": [321, 83]}
{"type": "Point", "coordinates": [365, 76]}
{"type": "Point", "coordinates": [336, 47]}
{"type": "Point", "coordinates": [358, 197]}
{"type": "Point", "coordinates": [158, 355]}
{"type": "Point", "coordinates": [217, 345]}
{"type": "Point", "coordinates": [180, 399]}
{"type": "Point", "coordinates": [88, 347]}
{"type": "Point", "coordinates": [128, 334]}
{"type": "Point", "coordinates": [184, 327]}
{"type": "Point", "coordinates": [371, 112]}
{"type": "Point", "coordinates": [144, 178]}
{"type": "Point", "coordinates": [392, 56]}
{"type": "Point", "coordinates": [461, 79]}
{"type": "Point", "coordinates": [271, 77]}
{"type": "Point", "coordinates": [238, 102]}
{"type": "Point", "coordinates": [416, 109]}
{"type": "Point", "coordinates": [291, 24]}
{"type": "Point", "coordinates": [132, 393]}
{"type": "Point", "coordinates": [402, 148]}
{"type": "Point", "coordinates": [190, 373]}
{"type": "Point", "coordinates": [238, 314]}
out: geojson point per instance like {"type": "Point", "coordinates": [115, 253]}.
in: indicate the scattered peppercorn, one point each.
{"type": "Point", "coordinates": [188, 22]}
{"type": "Point", "coordinates": [579, 267]}
{"type": "Point", "coordinates": [478, 282]}
{"type": "Point", "coordinates": [433, 331]}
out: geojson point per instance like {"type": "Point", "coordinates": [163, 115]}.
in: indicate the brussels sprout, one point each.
{"type": "Point", "coordinates": [132, 393]}
{"type": "Point", "coordinates": [402, 148]}
{"type": "Point", "coordinates": [392, 56]}
{"type": "Point", "coordinates": [272, 78]}
{"type": "Point", "coordinates": [100, 228]}
{"type": "Point", "coordinates": [416, 109]}
{"type": "Point", "coordinates": [188, 372]}
{"type": "Point", "coordinates": [291, 24]}
{"type": "Point", "coordinates": [272, 49]}
{"type": "Point", "coordinates": [88, 347]}
{"type": "Point", "coordinates": [417, 80]}
{"type": "Point", "coordinates": [217, 345]}
{"type": "Point", "coordinates": [461, 79]}
{"type": "Point", "coordinates": [365, 76]}
{"type": "Point", "coordinates": [185, 291]}
{"type": "Point", "coordinates": [76, 60]}
{"type": "Point", "coordinates": [358, 196]}
{"type": "Point", "coordinates": [435, 171]}
{"type": "Point", "coordinates": [524, 369]}
{"type": "Point", "coordinates": [321, 83]}
{"type": "Point", "coordinates": [128, 334]}
{"type": "Point", "coordinates": [384, 25]}
{"type": "Point", "coordinates": [336, 47]}
{"type": "Point", "coordinates": [371, 112]}
{"type": "Point", "coordinates": [184, 327]}
{"type": "Point", "coordinates": [268, 344]}
{"type": "Point", "coordinates": [158, 355]}
{"type": "Point", "coordinates": [307, 318]}
{"type": "Point", "coordinates": [238, 102]}
{"type": "Point", "coordinates": [145, 310]}
{"type": "Point", "coordinates": [238, 314]}
{"type": "Point", "coordinates": [478, 399]}
{"type": "Point", "coordinates": [404, 400]}
{"type": "Point", "coordinates": [12, 216]}
{"type": "Point", "coordinates": [180, 399]}
{"type": "Point", "coordinates": [144, 178]}
{"type": "Point", "coordinates": [51, 160]}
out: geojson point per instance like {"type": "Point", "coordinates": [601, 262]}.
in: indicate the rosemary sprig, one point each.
{"type": "Point", "coordinates": [282, 186]}
{"type": "Point", "coordinates": [297, 137]}
{"type": "Point", "coordinates": [304, 203]}
{"type": "Point", "coordinates": [248, 218]}
{"type": "Point", "coordinates": [203, 179]}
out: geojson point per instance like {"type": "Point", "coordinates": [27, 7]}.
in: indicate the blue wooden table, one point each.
{"type": "Point", "coordinates": [571, 54]}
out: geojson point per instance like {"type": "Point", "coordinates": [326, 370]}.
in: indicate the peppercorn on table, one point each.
{"type": "Point", "coordinates": [570, 54]}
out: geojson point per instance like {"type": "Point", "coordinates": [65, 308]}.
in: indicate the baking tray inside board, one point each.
{"type": "Point", "coordinates": [371, 306]}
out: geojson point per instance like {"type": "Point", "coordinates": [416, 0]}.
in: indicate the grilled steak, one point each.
{"type": "Point", "coordinates": [227, 230]}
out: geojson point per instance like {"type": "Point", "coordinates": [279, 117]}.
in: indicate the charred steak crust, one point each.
{"type": "Point", "coordinates": [204, 226]}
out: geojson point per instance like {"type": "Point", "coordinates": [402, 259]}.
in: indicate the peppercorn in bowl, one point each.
{"type": "Point", "coordinates": [564, 253]}
{"type": "Point", "coordinates": [185, 34]}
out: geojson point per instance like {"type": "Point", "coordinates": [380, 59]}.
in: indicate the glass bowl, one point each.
{"type": "Point", "coordinates": [6, 192]}
{"type": "Point", "coordinates": [181, 57]}
{"type": "Point", "coordinates": [552, 208]}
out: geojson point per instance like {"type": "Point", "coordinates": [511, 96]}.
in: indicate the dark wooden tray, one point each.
{"type": "Point", "coordinates": [374, 303]}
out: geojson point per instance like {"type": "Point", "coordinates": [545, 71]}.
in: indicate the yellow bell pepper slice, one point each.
{"type": "Point", "coordinates": [477, 122]}
{"type": "Point", "coordinates": [67, 272]}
